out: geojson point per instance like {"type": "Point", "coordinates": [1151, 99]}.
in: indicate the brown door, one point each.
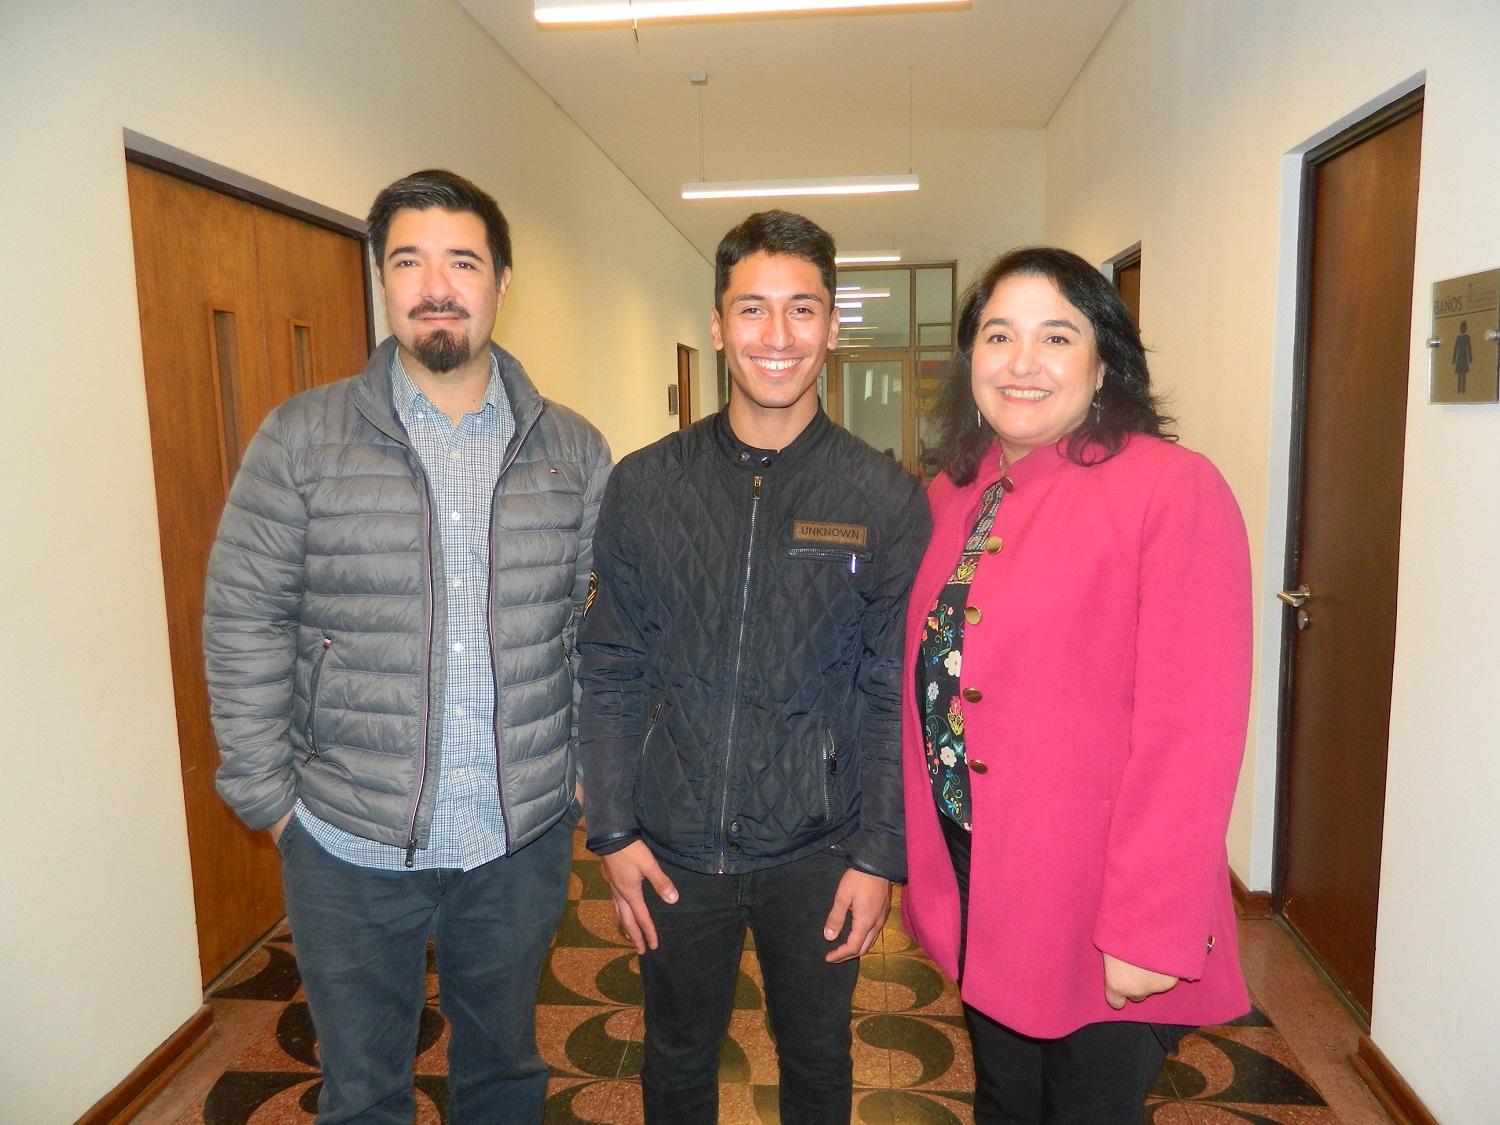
{"type": "Point", "coordinates": [240, 308]}
{"type": "Point", "coordinates": [1340, 629]}
{"type": "Point", "coordinates": [1128, 283]}
{"type": "Point", "coordinates": [687, 360]}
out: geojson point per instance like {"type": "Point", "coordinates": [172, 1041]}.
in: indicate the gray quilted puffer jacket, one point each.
{"type": "Point", "coordinates": [742, 661]}
{"type": "Point", "coordinates": [325, 591]}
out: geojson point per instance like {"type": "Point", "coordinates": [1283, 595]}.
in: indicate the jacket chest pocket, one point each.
{"type": "Point", "coordinates": [853, 561]}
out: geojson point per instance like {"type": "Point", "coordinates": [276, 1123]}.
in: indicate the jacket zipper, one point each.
{"type": "Point", "coordinates": [830, 769]}
{"type": "Point", "coordinates": [489, 631]}
{"type": "Point", "coordinates": [416, 805]}
{"type": "Point", "coordinates": [739, 655]}
{"type": "Point", "coordinates": [311, 731]}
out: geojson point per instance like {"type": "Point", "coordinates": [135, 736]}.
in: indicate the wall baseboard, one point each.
{"type": "Point", "coordinates": [145, 1081]}
{"type": "Point", "coordinates": [1250, 904]}
{"type": "Point", "coordinates": [1390, 1089]}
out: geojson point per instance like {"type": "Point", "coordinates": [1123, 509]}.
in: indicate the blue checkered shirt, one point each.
{"type": "Point", "coordinates": [463, 468]}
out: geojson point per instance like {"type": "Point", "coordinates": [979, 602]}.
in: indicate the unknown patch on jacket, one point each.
{"type": "Point", "coordinates": [588, 599]}
{"type": "Point", "coordinates": [843, 534]}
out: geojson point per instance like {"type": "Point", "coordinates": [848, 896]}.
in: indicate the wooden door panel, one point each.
{"type": "Point", "coordinates": [201, 340]}
{"type": "Point", "coordinates": [219, 280]}
{"type": "Point", "coordinates": [1358, 336]}
{"type": "Point", "coordinates": [312, 290]}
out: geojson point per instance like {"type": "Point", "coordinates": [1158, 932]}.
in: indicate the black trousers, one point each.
{"type": "Point", "coordinates": [689, 982]}
{"type": "Point", "coordinates": [1097, 1075]}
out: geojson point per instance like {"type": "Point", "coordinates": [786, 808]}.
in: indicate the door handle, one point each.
{"type": "Point", "coordinates": [1295, 598]}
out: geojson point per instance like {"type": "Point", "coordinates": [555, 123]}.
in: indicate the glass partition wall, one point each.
{"type": "Point", "coordinates": [895, 338]}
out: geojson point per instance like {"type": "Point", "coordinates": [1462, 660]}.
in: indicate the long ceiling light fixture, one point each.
{"type": "Point", "coordinates": [861, 259]}
{"type": "Point", "coordinates": [558, 13]}
{"type": "Point", "coordinates": [830, 185]}
{"type": "Point", "coordinates": [703, 188]}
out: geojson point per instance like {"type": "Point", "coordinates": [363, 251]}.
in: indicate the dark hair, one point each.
{"type": "Point", "coordinates": [437, 187]}
{"type": "Point", "coordinates": [1126, 404]}
{"type": "Point", "coordinates": [775, 232]}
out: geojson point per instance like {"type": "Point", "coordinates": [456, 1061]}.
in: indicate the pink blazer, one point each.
{"type": "Point", "coordinates": [1113, 658]}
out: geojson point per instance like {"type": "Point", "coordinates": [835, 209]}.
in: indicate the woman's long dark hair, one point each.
{"type": "Point", "coordinates": [1126, 404]}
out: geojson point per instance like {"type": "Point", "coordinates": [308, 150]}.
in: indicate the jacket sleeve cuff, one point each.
{"type": "Point", "coordinates": [608, 845]}
{"type": "Point", "coordinates": [879, 854]}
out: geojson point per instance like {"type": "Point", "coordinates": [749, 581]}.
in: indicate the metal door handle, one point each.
{"type": "Point", "coordinates": [1295, 598]}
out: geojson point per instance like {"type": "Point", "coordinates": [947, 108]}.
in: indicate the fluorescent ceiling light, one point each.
{"type": "Point", "coordinates": [850, 319]}
{"type": "Point", "coordinates": [853, 259]}
{"type": "Point", "coordinates": [855, 293]}
{"type": "Point", "coordinates": [832, 185]}
{"type": "Point", "coordinates": [558, 12]}
{"type": "Point", "coordinates": [849, 304]}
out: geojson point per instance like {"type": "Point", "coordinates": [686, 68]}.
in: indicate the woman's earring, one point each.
{"type": "Point", "coordinates": [1098, 409]}
{"type": "Point", "coordinates": [978, 419]}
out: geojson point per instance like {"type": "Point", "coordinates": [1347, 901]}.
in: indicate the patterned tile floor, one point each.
{"type": "Point", "coordinates": [911, 1060]}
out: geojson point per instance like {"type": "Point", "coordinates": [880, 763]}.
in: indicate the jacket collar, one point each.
{"type": "Point", "coordinates": [784, 460]}
{"type": "Point", "coordinates": [372, 394]}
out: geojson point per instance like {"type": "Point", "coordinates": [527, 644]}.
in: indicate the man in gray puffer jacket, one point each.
{"type": "Point", "coordinates": [389, 631]}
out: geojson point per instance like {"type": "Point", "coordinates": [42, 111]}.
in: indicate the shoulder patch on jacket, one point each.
{"type": "Point", "coordinates": [843, 534]}
{"type": "Point", "coordinates": [588, 599]}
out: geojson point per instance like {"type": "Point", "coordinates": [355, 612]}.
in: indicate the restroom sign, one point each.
{"type": "Point", "coordinates": [1465, 340]}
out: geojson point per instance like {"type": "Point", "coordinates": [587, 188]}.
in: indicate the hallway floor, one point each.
{"type": "Point", "coordinates": [1284, 1062]}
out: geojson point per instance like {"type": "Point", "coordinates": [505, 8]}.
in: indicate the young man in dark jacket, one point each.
{"type": "Point", "coordinates": [740, 724]}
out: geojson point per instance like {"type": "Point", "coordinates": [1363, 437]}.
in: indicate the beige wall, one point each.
{"type": "Point", "coordinates": [1182, 133]}
{"type": "Point", "coordinates": [330, 101]}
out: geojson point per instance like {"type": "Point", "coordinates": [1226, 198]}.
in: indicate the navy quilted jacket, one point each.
{"type": "Point", "coordinates": [741, 659]}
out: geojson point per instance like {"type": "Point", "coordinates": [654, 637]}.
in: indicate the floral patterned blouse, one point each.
{"type": "Point", "coordinates": [939, 662]}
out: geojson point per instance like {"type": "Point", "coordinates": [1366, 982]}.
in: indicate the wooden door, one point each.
{"type": "Point", "coordinates": [1128, 284]}
{"type": "Point", "coordinates": [687, 360]}
{"type": "Point", "coordinates": [1342, 565]}
{"type": "Point", "coordinates": [240, 308]}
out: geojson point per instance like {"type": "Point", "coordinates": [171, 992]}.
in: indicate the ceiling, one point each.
{"type": "Point", "coordinates": [831, 95]}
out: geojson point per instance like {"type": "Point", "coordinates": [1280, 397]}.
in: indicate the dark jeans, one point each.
{"type": "Point", "coordinates": [689, 984]}
{"type": "Point", "coordinates": [360, 937]}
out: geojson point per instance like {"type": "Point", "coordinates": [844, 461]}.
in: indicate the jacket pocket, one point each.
{"type": "Point", "coordinates": [642, 762]}
{"type": "Point", "coordinates": [830, 751]}
{"type": "Point", "coordinates": [311, 729]}
{"type": "Point", "coordinates": [653, 717]}
{"type": "Point", "coordinates": [854, 560]}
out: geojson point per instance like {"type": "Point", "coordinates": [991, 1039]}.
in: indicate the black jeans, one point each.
{"type": "Point", "coordinates": [360, 936]}
{"type": "Point", "coordinates": [689, 982]}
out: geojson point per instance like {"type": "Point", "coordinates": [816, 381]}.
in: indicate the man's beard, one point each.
{"type": "Point", "coordinates": [442, 351]}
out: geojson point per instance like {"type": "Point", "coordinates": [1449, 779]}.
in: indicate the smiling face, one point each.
{"type": "Point", "coordinates": [440, 288]}
{"type": "Point", "coordinates": [1035, 367]}
{"type": "Point", "coordinates": [774, 325]}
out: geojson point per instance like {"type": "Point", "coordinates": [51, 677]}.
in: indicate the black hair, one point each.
{"type": "Point", "coordinates": [775, 232]}
{"type": "Point", "coordinates": [437, 187]}
{"type": "Point", "coordinates": [1125, 402]}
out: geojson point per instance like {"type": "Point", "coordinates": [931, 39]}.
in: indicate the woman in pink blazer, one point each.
{"type": "Point", "coordinates": [1079, 646]}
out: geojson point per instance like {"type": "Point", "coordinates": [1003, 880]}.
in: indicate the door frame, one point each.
{"type": "Point", "coordinates": [1409, 102]}
{"type": "Point", "coordinates": [151, 153]}
{"type": "Point", "coordinates": [838, 360]}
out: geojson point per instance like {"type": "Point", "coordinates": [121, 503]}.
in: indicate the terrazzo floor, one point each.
{"type": "Point", "coordinates": [1282, 1063]}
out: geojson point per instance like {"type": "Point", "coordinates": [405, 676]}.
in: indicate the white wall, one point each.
{"type": "Point", "coordinates": [330, 101]}
{"type": "Point", "coordinates": [1177, 134]}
